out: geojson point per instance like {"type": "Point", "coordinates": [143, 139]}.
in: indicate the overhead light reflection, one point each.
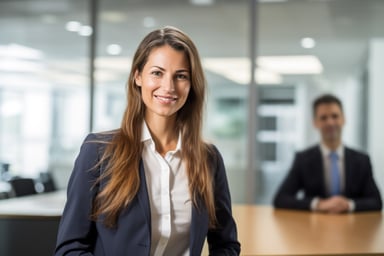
{"type": "Point", "coordinates": [85, 31]}
{"type": "Point", "coordinates": [73, 26]}
{"type": "Point", "coordinates": [15, 65]}
{"type": "Point", "coordinates": [291, 65]}
{"type": "Point", "coordinates": [269, 68]}
{"type": "Point", "coordinates": [264, 76]}
{"type": "Point", "coordinates": [237, 70]}
{"type": "Point", "coordinates": [308, 42]}
{"type": "Point", "coordinates": [202, 2]}
{"type": "Point", "coordinates": [19, 51]}
{"type": "Point", "coordinates": [114, 49]}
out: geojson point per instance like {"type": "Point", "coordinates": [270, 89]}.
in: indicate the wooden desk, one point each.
{"type": "Point", "coordinates": [265, 231]}
{"type": "Point", "coordinates": [28, 224]}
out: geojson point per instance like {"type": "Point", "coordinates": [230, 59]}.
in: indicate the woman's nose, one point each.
{"type": "Point", "coordinates": [168, 83]}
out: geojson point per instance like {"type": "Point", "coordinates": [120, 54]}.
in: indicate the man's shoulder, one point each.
{"type": "Point", "coordinates": [308, 155]}
{"type": "Point", "coordinates": [314, 149]}
{"type": "Point", "coordinates": [355, 153]}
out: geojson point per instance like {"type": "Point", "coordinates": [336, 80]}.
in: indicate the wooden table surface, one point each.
{"type": "Point", "coordinates": [263, 230]}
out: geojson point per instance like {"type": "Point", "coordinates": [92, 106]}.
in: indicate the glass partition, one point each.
{"type": "Point", "coordinates": [43, 85]}
{"type": "Point", "coordinates": [304, 48]}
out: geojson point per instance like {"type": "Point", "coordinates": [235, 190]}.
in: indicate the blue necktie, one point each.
{"type": "Point", "coordinates": [335, 173]}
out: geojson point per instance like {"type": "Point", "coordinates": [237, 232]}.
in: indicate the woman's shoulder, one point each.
{"type": "Point", "coordinates": [98, 141]}
{"type": "Point", "coordinates": [213, 153]}
{"type": "Point", "coordinates": [101, 137]}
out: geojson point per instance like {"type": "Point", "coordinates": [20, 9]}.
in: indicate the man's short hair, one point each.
{"type": "Point", "coordinates": [326, 99]}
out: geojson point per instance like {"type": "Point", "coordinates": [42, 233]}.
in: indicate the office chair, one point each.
{"type": "Point", "coordinates": [23, 186]}
{"type": "Point", "coordinates": [46, 179]}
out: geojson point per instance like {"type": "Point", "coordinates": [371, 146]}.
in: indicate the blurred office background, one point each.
{"type": "Point", "coordinates": [64, 66]}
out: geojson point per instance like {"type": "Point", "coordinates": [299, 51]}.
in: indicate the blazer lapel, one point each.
{"type": "Point", "coordinates": [142, 196]}
{"type": "Point", "coordinates": [348, 171]}
{"type": "Point", "coordinates": [318, 171]}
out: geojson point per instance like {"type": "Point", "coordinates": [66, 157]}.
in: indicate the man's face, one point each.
{"type": "Point", "coordinates": [329, 120]}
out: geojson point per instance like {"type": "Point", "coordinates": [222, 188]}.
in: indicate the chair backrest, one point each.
{"type": "Point", "coordinates": [23, 186]}
{"type": "Point", "coordinates": [48, 182]}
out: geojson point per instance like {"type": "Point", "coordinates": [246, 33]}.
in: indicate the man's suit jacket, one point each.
{"type": "Point", "coordinates": [307, 175]}
{"type": "Point", "coordinates": [78, 235]}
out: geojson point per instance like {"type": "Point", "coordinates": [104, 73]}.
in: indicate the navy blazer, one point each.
{"type": "Point", "coordinates": [307, 175]}
{"type": "Point", "coordinates": [79, 235]}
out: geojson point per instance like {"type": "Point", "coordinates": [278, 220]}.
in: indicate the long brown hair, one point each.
{"type": "Point", "coordinates": [123, 153]}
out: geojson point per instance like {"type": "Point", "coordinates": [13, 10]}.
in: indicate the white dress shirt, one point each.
{"type": "Point", "coordinates": [169, 198]}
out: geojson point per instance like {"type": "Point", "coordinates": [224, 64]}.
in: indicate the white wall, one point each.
{"type": "Point", "coordinates": [376, 109]}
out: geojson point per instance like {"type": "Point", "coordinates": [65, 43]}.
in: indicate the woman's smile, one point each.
{"type": "Point", "coordinates": [166, 99]}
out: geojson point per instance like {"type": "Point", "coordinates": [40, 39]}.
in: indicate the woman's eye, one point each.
{"type": "Point", "coordinates": [156, 73]}
{"type": "Point", "coordinates": [182, 77]}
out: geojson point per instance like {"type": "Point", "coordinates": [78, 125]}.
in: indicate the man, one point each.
{"type": "Point", "coordinates": [330, 177]}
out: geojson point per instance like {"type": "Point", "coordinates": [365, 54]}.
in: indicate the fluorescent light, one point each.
{"type": "Point", "coordinates": [15, 65]}
{"type": "Point", "coordinates": [114, 49]}
{"type": "Point", "coordinates": [264, 76]}
{"type": "Point", "coordinates": [118, 64]}
{"type": "Point", "coordinates": [73, 26]}
{"type": "Point", "coordinates": [20, 52]}
{"type": "Point", "coordinates": [269, 68]}
{"type": "Point", "coordinates": [202, 2]}
{"type": "Point", "coordinates": [85, 31]}
{"type": "Point", "coordinates": [106, 76]}
{"type": "Point", "coordinates": [308, 42]}
{"type": "Point", "coordinates": [15, 81]}
{"type": "Point", "coordinates": [238, 70]}
{"type": "Point", "coordinates": [62, 78]}
{"type": "Point", "coordinates": [75, 65]}
{"type": "Point", "coordinates": [235, 69]}
{"type": "Point", "coordinates": [291, 65]}
{"type": "Point", "coordinates": [82, 30]}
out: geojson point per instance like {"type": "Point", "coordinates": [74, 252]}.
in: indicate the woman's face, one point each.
{"type": "Point", "coordinates": [165, 82]}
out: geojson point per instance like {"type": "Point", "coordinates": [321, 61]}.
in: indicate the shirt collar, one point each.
{"type": "Point", "coordinates": [325, 151]}
{"type": "Point", "coordinates": [145, 134]}
{"type": "Point", "coordinates": [147, 137]}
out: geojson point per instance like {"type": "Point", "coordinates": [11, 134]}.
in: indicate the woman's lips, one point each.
{"type": "Point", "coordinates": [166, 99]}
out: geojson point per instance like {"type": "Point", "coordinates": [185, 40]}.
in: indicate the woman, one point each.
{"type": "Point", "coordinates": [152, 187]}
